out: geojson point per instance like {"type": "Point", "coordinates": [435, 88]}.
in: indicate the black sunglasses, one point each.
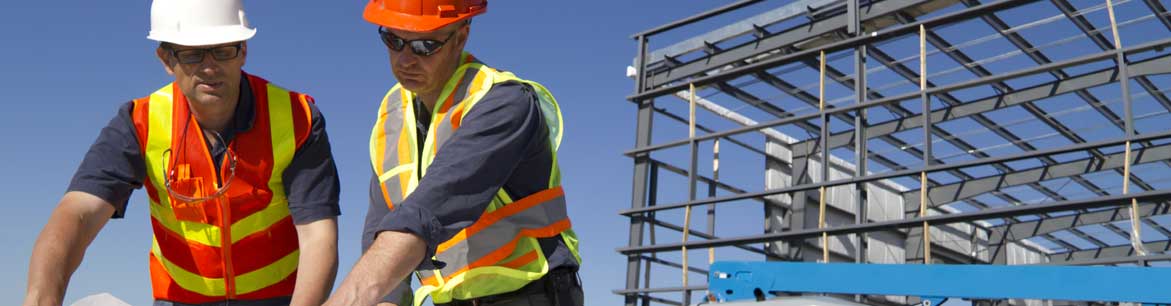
{"type": "Point", "coordinates": [421, 47]}
{"type": "Point", "coordinates": [195, 56]}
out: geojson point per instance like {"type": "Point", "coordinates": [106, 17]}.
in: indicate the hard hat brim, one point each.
{"type": "Point", "coordinates": [204, 36]}
{"type": "Point", "coordinates": [414, 23]}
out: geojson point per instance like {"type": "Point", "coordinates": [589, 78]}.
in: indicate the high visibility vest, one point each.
{"type": "Point", "coordinates": [241, 245]}
{"type": "Point", "coordinates": [498, 253]}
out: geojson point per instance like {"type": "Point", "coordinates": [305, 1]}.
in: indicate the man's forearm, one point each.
{"type": "Point", "coordinates": [317, 265]}
{"type": "Point", "coordinates": [390, 259]}
{"type": "Point", "coordinates": [61, 245]}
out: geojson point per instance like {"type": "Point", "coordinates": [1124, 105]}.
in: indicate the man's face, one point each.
{"type": "Point", "coordinates": [211, 80]}
{"type": "Point", "coordinates": [428, 74]}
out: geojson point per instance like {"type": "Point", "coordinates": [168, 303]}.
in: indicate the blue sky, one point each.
{"type": "Point", "coordinates": [68, 65]}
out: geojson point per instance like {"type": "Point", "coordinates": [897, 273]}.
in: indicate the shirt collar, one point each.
{"type": "Point", "coordinates": [245, 114]}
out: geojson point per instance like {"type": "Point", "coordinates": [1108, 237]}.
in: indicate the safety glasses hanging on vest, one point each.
{"type": "Point", "coordinates": [191, 192]}
{"type": "Point", "coordinates": [195, 56]}
{"type": "Point", "coordinates": [421, 47]}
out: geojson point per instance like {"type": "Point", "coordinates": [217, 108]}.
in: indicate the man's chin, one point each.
{"type": "Point", "coordinates": [206, 99]}
{"type": "Point", "coordinates": [411, 85]}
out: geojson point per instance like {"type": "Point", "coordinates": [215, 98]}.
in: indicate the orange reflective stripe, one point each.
{"type": "Point", "coordinates": [518, 262]}
{"type": "Point", "coordinates": [457, 115]}
{"type": "Point", "coordinates": [476, 85]}
{"type": "Point", "coordinates": [303, 117]}
{"type": "Point", "coordinates": [511, 209]}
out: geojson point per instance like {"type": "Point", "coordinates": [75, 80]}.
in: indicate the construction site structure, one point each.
{"type": "Point", "coordinates": [986, 133]}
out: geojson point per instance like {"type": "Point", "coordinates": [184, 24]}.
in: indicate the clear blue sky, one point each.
{"type": "Point", "coordinates": [68, 65]}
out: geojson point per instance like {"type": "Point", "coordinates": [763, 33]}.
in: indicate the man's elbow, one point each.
{"type": "Point", "coordinates": [400, 239]}
{"type": "Point", "coordinates": [319, 234]}
{"type": "Point", "coordinates": [407, 246]}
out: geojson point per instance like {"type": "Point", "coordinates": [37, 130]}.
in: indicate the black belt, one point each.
{"type": "Point", "coordinates": [556, 285]}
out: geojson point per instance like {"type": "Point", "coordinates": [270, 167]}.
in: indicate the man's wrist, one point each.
{"type": "Point", "coordinates": [37, 298]}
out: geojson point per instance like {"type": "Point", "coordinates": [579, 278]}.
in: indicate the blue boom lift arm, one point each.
{"type": "Point", "coordinates": [731, 281]}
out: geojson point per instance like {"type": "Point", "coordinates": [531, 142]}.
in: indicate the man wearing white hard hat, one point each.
{"type": "Point", "coordinates": [242, 187]}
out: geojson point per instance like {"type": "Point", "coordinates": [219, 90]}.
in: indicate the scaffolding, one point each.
{"type": "Point", "coordinates": [902, 132]}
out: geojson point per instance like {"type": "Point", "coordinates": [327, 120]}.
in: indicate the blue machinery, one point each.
{"type": "Point", "coordinates": [731, 281]}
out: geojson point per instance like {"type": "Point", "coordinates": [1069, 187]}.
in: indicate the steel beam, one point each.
{"type": "Point", "coordinates": [894, 174]}
{"type": "Point", "coordinates": [1110, 252]}
{"type": "Point", "coordinates": [951, 87]}
{"type": "Point", "coordinates": [744, 26]}
{"type": "Point", "coordinates": [673, 264]}
{"type": "Point", "coordinates": [776, 41]}
{"type": "Point", "coordinates": [1160, 12]}
{"type": "Point", "coordinates": [696, 17]}
{"type": "Point", "coordinates": [773, 42]}
{"type": "Point", "coordinates": [1152, 66]}
{"type": "Point", "coordinates": [948, 193]}
{"type": "Point", "coordinates": [1111, 201]}
{"type": "Point", "coordinates": [700, 127]}
{"type": "Point", "coordinates": [1023, 230]}
{"type": "Point", "coordinates": [642, 167]}
{"type": "Point", "coordinates": [700, 234]}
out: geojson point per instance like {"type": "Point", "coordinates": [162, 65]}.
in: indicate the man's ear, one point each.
{"type": "Point", "coordinates": [243, 53]}
{"type": "Point", "coordinates": [164, 58]}
{"type": "Point", "coordinates": [464, 31]}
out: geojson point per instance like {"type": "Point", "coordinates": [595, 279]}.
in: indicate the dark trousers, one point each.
{"type": "Point", "coordinates": [560, 287]}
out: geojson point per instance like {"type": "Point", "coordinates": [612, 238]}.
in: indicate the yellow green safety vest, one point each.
{"type": "Point", "coordinates": [498, 253]}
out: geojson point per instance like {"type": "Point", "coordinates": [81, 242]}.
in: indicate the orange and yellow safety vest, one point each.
{"type": "Point", "coordinates": [241, 245]}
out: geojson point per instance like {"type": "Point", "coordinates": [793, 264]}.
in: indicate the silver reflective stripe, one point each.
{"type": "Point", "coordinates": [443, 128]}
{"type": "Point", "coordinates": [461, 91]}
{"type": "Point", "coordinates": [443, 132]}
{"type": "Point", "coordinates": [499, 234]}
{"type": "Point", "coordinates": [392, 126]}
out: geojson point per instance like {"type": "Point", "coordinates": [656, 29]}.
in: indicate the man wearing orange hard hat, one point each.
{"type": "Point", "coordinates": [242, 187]}
{"type": "Point", "coordinates": [465, 188]}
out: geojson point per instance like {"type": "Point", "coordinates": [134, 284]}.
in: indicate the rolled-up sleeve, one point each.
{"type": "Point", "coordinates": [468, 169]}
{"type": "Point", "coordinates": [311, 180]}
{"type": "Point", "coordinates": [113, 167]}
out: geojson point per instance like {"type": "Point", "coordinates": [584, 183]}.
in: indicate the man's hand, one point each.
{"type": "Point", "coordinates": [59, 249]}
{"type": "Point", "coordinates": [317, 265]}
{"type": "Point", "coordinates": [390, 259]}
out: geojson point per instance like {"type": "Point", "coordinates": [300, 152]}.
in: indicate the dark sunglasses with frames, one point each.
{"type": "Point", "coordinates": [421, 47]}
{"type": "Point", "coordinates": [195, 56]}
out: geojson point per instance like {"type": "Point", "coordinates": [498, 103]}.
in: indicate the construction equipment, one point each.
{"type": "Point", "coordinates": [733, 281]}
{"type": "Point", "coordinates": [922, 141]}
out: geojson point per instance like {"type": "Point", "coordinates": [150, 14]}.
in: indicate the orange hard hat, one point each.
{"type": "Point", "coordinates": [421, 15]}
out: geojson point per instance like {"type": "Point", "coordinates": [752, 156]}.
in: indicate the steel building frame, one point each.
{"type": "Point", "coordinates": [798, 35]}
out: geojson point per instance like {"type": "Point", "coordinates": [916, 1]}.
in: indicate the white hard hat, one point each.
{"type": "Point", "coordinates": [198, 22]}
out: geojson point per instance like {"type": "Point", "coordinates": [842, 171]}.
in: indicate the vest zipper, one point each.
{"type": "Point", "coordinates": [226, 230]}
